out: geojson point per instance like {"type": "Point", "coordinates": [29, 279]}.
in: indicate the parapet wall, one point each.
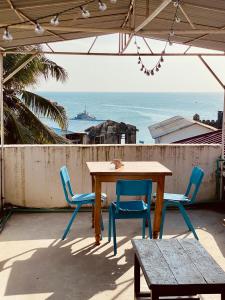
{"type": "Point", "coordinates": [32, 171]}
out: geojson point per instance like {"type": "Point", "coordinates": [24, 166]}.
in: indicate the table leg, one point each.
{"type": "Point", "coordinates": [158, 206]}
{"type": "Point", "coordinates": [93, 207]}
{"type": "Point", "coordinates": [136, 276]}
{"type": "Point", "coordinates": [97, 211]}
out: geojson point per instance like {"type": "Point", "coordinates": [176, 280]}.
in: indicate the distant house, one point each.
{"type": "Point", "coordinates": [111, 132]}
{"type": "Point", "coordinates": [177, 128]}
{"type": "Point", "coordinates": [214, 137]}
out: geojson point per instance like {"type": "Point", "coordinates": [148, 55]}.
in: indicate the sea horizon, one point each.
{"type": "Point", "coordinates": [140, 109]}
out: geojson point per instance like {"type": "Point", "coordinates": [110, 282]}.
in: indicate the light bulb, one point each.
{"type": "Point", "coordinates": [38, 28]}
{"type": "Point", "coordinates": [85, 13]}
{"type": "Point", "coordinates": [152, 72]}
{"type": "Point", "coordinates": [161, 59]}
{"type": "Point", "coordinates": [177, 19]}
{"type": "Point", "coordinates": [176, 3]}
{"type": "Point", "coordinates": [7, 35]}
{"type": "Point", "coordinates": [113, 1]}
{"type": "Point", "coordinates": [171, 33]}
{"type": "Point", "coordinates": [55, 20]}
{"type": "Point", "coordinates": [170, 43]}
{"type": "Point", "coordinates": [102, 6]}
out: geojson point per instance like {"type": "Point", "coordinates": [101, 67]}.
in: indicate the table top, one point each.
{"type": "Point", "coordinates": [129, 168]}
{"type": "Point", "coordinates": [177, 262]}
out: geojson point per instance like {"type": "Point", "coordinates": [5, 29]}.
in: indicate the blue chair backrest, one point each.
{"type": "Point", "coordinates": [65, 178]}
{"type": "Point", "coordinates": [134, 188]}
{"type": "Point", "coordinates": [194, 183]}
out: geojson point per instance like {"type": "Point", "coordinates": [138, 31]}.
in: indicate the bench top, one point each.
{"type": "Point", "coordinates": [177, 262]}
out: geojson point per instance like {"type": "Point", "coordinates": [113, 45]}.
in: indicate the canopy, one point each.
{"type": "Point", "coordinates": [202, 22]}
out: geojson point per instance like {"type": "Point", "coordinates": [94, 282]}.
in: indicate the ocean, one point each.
{"type": "Point", "coordinates": [139, 109]}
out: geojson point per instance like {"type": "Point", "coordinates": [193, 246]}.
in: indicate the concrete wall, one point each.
{"type": "Point", "coordinates": [183, 133]}
{"type": "Point", "coordinates": [32, 171]}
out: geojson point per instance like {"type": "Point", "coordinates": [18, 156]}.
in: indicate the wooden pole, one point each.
{"type": "Point", "coordinates": [223, 127]}
{"type": "Point", "coordinates": [2, 132]}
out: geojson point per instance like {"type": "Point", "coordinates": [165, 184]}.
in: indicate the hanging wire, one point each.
{"type": "Point", "coordinates": [151, 71]}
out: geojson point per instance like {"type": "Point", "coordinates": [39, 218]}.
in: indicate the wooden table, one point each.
{"type": "Point", "coordinates": [136, 170]}
{"type": "Point", "coordinates": [176, 268]}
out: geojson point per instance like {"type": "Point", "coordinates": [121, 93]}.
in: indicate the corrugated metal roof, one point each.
{"type": "Point", "coordinates": [20, 16]}
{"type": "Point", "coordinates": [173, 124]}
{"type": "Point", "coordinates": [206, 138]}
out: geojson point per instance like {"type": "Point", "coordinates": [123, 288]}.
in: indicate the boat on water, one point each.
{"type": "Point", "coordinates": [84, 116]}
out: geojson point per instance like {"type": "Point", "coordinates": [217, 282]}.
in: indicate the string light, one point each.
{"type": "Point", "coordinates": [7, 35]}
{"type": "Point", "coordinates": [171, 33]}
{"type": "Point", "coordinates": [177, 19]}
{"type": "Point", "coordinates": [38, 28]}
{"type": "Point", "coordinates": [102, 6]}
{"type": "Point", "coordinates": [84, 12]}
{"type": "Point", "coordinates": [55, 20]}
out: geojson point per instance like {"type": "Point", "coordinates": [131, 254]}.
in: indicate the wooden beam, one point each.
{"type": "Point", "coordinates": [118, 30]}
{"type": "Point", "coordinates": [157, 54]}
{"type": "Point", "coordinates": [212, 72]}
{"type": "Point", "coordinates": [152, 15]}
{"type": "Point", "coordinates": [187, 17]}
{"type": "Point", "coordinates": [51, 3]}
{"type": "Point", "coordinates": [11, 5]}
{"type": "Point", "coordinates": [20, 67]}
{"type": "Point", "coordinates": [202, 36]}
{"type": "Point", "coordinates": [92, 45]}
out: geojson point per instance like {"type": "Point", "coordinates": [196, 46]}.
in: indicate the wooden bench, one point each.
{"type": "Point", "coordinates": [176, 268]}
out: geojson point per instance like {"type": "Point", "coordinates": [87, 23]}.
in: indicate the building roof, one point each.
{"type": "Point", "coordinates": [206, 138]}
{"type": "Point", "coordinates": [173, 124]}
{"type": "Point", "coordinates": [202, 21]}
{"type": "Point", "coordinates": [110, 126]}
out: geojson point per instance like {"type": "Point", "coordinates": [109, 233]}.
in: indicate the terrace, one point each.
{"type": "Point", "coordinates": [35, 263]}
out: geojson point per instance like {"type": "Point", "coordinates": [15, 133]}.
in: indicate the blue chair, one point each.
{"type": "Point", "coordinates": [180, 200]}
{"type": "Point", "coordinates": [133, 209]}
{"type": "Point", "coordinates": [78, 199]}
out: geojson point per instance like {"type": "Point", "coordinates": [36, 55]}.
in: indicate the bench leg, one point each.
{"type": "Point", "coordinates": [223, 295]}
{"type": "Point", "coordinates": [136, 276]}
{"type": "Point", "coordinates": [154, 296]}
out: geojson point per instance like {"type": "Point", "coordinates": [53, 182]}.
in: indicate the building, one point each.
{"type": "Point", "coordinates": [177, 128]}
{"type": "Point", "coordinates": [111, 132]}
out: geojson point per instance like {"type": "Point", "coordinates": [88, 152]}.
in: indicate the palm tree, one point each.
{"type": "Point", "coordinates": [23, 108]}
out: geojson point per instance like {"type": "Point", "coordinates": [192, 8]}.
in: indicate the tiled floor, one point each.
{"type": "Point", "coordinates": [36, 264]}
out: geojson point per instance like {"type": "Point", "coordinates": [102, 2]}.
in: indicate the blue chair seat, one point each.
{"type": "Point", "coordinates": [137, 206]}
{"type": "Point", "coordinates": [179, 200]}
{"type": "Point", "coordinates": [131, 209]}
{"type": "Point", "coordinates": [175, 197]}
{"type": "Point", "coordinates": [76, 199]}
{"type": "Point", "coordinates": [87, 197]}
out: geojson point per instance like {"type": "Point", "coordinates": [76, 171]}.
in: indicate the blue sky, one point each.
{"type": "Point", "coordinates": [122, 74]}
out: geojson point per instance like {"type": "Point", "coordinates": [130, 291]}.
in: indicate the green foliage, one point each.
{"type": "Point", "coordinates": [22, 108]}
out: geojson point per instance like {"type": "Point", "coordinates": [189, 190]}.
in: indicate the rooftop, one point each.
{"type": "Point", "coordinates": [173, 124]}
{"type": "Point", "coordinates": [206, 138]}
{"type": "Point", "coordinates": [37, 265]}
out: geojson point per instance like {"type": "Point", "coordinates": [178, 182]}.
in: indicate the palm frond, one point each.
{"type": "Point", "coordinates": [46, 108]}
{"type": "Point", "coordinates": [51, 69]}
{"type": "Point", "coordinates": [15, 131]}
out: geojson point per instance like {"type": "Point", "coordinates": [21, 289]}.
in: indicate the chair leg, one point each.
{"type": "Point", "coordinates": [102, 224]}
{"type": "Point", "coordinates": [110, 224]}
{"type": "Point", "coordinates": [149, 226]}
{"type": "Point", "coordinates": [162, 221]}
{"type": "Point", "coordinates": [143, 227]}
{"type": "Point", "coordinates": [187, 220]}
{"type": "Point", "coordinates": [71, 222]}
{"type": "Point", "coordinates": [93, 216]}
{"type": "Point", "coordinates": [114, 234]}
